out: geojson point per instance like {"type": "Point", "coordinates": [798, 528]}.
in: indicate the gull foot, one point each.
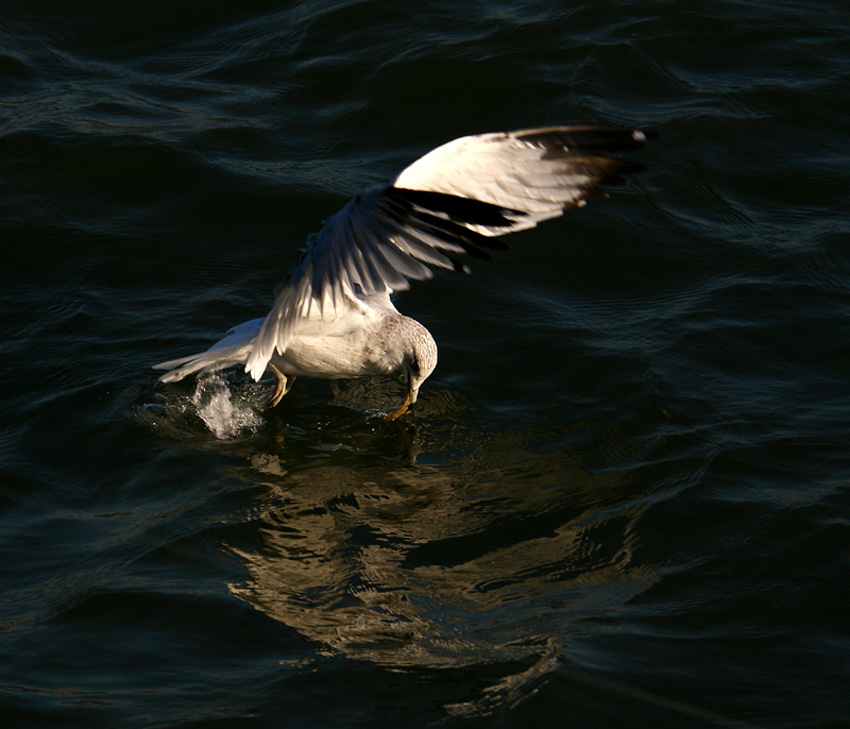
{"type": "Point", "coordinates": [281, 387]}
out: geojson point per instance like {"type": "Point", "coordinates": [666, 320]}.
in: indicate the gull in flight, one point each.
{"type": "Point", "coordinates": [332, 316]}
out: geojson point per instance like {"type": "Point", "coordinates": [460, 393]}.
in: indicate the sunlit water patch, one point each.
{"type": "Point", "coordinates": [489, 563]}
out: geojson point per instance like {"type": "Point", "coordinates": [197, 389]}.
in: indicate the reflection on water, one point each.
{"type": "Point", "coordinates": [493, 558]}
{"type": "Point", "coordinates": [436, 543]}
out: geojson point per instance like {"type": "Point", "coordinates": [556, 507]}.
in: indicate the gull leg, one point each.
{"type": "Point", "coordinates": [282, 385]}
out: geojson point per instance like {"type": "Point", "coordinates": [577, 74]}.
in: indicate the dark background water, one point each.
{"type": "Point", "coordinates": [625, 497]}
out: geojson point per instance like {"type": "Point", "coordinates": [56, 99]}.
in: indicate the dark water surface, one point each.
{"type": "Point", "coordinates": [625, 497]}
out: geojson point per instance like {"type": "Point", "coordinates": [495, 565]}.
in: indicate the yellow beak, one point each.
{"type": "Point", "coordinates": [397, 413]}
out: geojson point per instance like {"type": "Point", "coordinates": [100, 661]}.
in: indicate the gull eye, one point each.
{"type": "Point", "coordinates": [414, 366]}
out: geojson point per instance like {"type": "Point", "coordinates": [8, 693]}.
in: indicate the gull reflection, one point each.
{"type": "Point", "coordinates": [492, 558]}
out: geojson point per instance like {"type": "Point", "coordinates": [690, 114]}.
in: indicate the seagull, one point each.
{"type": "Point", "coordinates": [332, 316]}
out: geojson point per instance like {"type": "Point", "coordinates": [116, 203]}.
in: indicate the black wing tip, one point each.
{"type": "Point", "coordinates": [463, 209]}
{"type": "Point", "coordinates": [459, 266]}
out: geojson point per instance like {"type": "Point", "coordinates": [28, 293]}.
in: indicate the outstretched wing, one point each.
{"type": "Point", "coordinates": [453, 201]}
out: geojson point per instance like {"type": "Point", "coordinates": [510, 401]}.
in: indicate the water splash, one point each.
{"type": "Point", "coordinates": [225, 415]}
{"type": "Point", "coordinates": [211, 407]}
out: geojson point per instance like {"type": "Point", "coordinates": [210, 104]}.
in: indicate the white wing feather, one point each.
{"type": "Point", "coordinates": [233, 349]}
{"type": "Point", "coordinates": [451, 201]}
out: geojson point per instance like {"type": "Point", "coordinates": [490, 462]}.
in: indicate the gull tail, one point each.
{"type": "Point", "coordinates": [233, 349]}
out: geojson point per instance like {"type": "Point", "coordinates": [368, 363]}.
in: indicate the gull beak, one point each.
{"type": "Point", "coordinates": [409, 398]}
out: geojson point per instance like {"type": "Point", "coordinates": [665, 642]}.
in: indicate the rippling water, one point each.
{"type": "Point", "coordinates": [623, 500]}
